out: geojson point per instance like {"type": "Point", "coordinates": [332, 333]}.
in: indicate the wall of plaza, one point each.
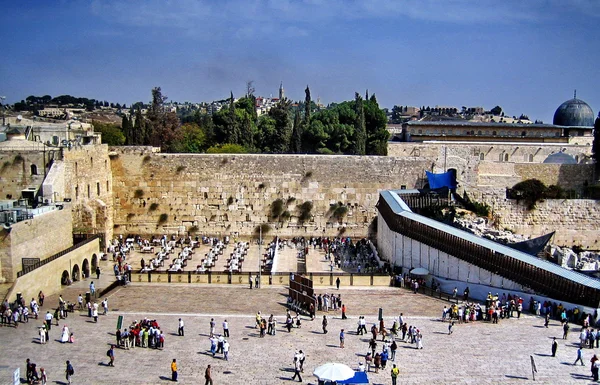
{"type": "Point", "coordinates": [576, 221]}
{"type": "Point", "coordinates": [510, 161]}
{"type": "Point", "coordinates": [224, 194]}
{"type": "Point", "coordinates": [277, 279]}
{"type": "Point", "coordinates": [48, 277]}
{"type": "Point", "coordinates": [402, 251]}
{"type": "Point", "coordinates": [40, 237]}
{"type": "Point", "coordinates": [87, 182]}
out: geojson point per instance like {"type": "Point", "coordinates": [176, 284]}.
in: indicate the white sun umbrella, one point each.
{"type": "Point", "coordinates": [419, 271]}
{"type": "Point", "coordinates": [332, 371]}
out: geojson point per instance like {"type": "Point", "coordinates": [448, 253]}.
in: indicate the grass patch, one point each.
{"type": "Point", "coordinates": [139, 193]}
{"type": "Point", "coordinates": [146, 159]}
{"type": "Point", "coordinates": [163, 218]}
{"type": "Point", "coordinates": [153, 207]}
{"type": "Point", "coordinates": [180, 169]}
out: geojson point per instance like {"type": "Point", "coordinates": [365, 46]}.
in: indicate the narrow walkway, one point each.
{"type": "Point", "coordinates": [301, 269]}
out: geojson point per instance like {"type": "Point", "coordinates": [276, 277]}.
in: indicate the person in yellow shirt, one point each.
{"type": "Point", "coordinates": [395, 372]}
{"type": "Point", "coordinates": [174, 370]}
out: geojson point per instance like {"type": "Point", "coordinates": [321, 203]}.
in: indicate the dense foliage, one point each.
{"type": "Point", "coordinates": [351, 127]}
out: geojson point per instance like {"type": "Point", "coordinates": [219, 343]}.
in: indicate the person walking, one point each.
{"type": "Point", "coordinates": [226, 350]}
{"type": "Point", "coordinates": [180, 328]}
{"type": "Point", "coordinates": [566, 328]}
{"type": "Point", "coordinates": [337, 283]}
{"type": "Point", "coordinates": [250, 281]}
{"type": "Point", "coordinates": [111, 355]}
{"type": "Point", "coordinates": [324, 324]}
{"type": "Point", "coordinates": [297, 369]}
{"type": "Point", "coordinates": [594, 367]}
{"type": "Point", "coordinates": [212, 327]}
{"type": "Point", "coordinates": [554, 347]}
{"type": "Point", "coordinates": [97, 272]}
{"type": "Point", "coordinates": [92, 288]}
{"type": "Point", "coordinates": [393, 348]}
{"type": "Point", "coordinates": [225, 329]}
{"type": "Point", "coordinates": [344, 312]}
{"type": "Point", "coordinates": [174, 370]}
{"type": "Point", "coordinates": [342, 337]}
{"type": "Point", "coordinates": [43, 376]}
{"type": "Point", "coordinates": [579, 357]}
{"type": "Point", "coordinates": [69, 371]}
{"type": "Point", "coordinates": [208, 376]}
{"type": "Point", "coordinates": [395, 372]}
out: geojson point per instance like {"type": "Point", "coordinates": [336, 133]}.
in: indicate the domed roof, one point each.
{"type": "Point", "coordinates": [560, 158]}
{"type": "Point", "coordinates": [574, 113]}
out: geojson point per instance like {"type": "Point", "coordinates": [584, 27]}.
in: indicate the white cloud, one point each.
{"type": "Point", "coordinates": [245, 18]}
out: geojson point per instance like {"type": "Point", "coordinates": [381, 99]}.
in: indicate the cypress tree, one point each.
{"type": "Point", "coordinates": [296, 142]}
{"type": "Point", "coordinates": [360, 131]}
{"type": "Point", "coordinates": [596, 145]}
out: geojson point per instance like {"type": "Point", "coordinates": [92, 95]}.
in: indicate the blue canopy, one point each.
{"type": "Point", "coordinates": [446, 179]}
{"type": "Point", "coordinates": [359, 378]}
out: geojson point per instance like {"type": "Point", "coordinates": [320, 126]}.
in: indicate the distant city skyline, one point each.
{"type": "Point", "coordinates": [527, 57]}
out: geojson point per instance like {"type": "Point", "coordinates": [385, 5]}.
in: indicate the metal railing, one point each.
{"type": "Point", "coordinates": [41, 263]}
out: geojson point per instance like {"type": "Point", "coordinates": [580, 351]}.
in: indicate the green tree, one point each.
{"type": "Point", "coordinates": [496, 110]}
{"type": "Point", "coordinates": [307, 106]}
{"type": "Point", "coordinates": [360, 133]}
{"type": "Point", "coordinates": [162, 124]}
{"type": "Point", "coordinates": [596, 145]}
{"type": "Point", "coordinates": [190, 138]}
{"type": "Point", "coordinates": [111, 134]}
{"type": "Point", "coordinates": [139, 129]}
{"type": "Point", "coordinates": [296, 140]}
{"type": "Point", "coordinates": [127, 129]}
{"type": "Point", "coordinates": [375, 122]}
{"type": "Point", "coordinates": [227, 148]}
{"type": "Point", "coordinates": [283, 126]}
{"type": "Point", "coordinates": [266, 134]}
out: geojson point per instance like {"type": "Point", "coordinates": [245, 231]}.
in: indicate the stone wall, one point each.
{"type": "Point", "coordinates": [576, 221]}
{"type": "Point", "coordinates": [15, 172]}
{"type": "Point", "coordinates": [88, 183]}
{"type": "Point", "coordinates": [481, 165]}
{"type": "Point", "coordinates": [48, 277]}
{"type": "Point", "coordinates": [223, 194]}
{"type": "Point", "coordinates": [40, 237]}
{"type": "Point", "coordinates": [496, 175]}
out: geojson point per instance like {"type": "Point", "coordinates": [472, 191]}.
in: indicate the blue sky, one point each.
{"type": "Point", "coordinates": [526, 56]}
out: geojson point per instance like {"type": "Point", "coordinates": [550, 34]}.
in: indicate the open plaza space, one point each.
{"type": "Point", "coordinates": [476, 352]}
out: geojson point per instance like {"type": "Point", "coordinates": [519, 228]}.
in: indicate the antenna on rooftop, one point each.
{"type": "Point", "coordinates": [575, 94]}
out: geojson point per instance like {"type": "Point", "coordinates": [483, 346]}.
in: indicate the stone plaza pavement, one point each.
{"type": "Point", "coordinates": [476, 353]}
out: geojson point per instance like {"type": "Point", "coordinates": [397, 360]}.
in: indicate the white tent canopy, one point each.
{"type": "Point", "coordinates": [332, 371]}
{"type": "Point", "coordinates": [419, 271]}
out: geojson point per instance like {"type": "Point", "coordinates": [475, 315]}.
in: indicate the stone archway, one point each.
{"type": "Point", "coordinates": [85, 268]}
{"type": "Point", "coordinates": [65, 279]}
{"type": "Point", "coordinates": [75, 274]}
{"type": "Point", "coordinates": [94, 262]}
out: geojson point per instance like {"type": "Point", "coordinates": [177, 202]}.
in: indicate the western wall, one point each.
{"type": "Point", "coordinates": [156, 193]}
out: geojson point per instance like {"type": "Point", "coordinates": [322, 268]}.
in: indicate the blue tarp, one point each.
{"type": "Point", "coordinates": [436, 181]}
{"type": "Point", "coordinates": [359, 378]}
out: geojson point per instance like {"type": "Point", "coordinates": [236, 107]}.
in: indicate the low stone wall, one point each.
{"type": "Point", "coordinates": [47, 278]}
{"type": "Point", "coordinates": [277, 279]}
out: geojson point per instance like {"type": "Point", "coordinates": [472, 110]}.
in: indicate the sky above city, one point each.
{"type": "Point", "coordinates": [526, 56]}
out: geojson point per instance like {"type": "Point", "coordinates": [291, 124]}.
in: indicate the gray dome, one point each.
{"type": "Point", "coordinates": [574, 113]}
{"type": "Point", "coordinates": [560, 158]}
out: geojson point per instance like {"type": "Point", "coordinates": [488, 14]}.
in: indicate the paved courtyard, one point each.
{"type": "Point", "coordinates": [477, 353]}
